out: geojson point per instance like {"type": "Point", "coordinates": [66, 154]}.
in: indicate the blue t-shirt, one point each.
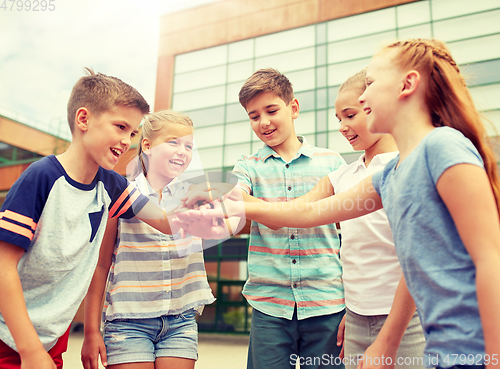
{"type": "Point", "coordinates": [438, 270]}
{"type": "Point", "coordinates": [60, 223]}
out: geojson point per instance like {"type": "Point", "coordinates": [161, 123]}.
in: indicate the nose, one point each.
{"type": "Point", "coordinates": [126, 141]}
{"type": "Point", "coordinates": [264, 121]}
{"type": "Point", "coordinates": [361, 99]}
{"type": "Point", "coordinates": [343, 127]}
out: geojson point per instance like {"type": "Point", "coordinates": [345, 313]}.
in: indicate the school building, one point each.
{"type": "Point", "coordinates": [207, 52]}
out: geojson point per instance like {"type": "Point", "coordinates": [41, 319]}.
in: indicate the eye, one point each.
{"type": "Point", "coordinates": [189, 147]}
{"type": "Point", "coordinates": [272, 111]}
{"type": "Point", "coordinates": [350, 116]}
{"type": "Point", "coordinates": [172, 142]}
{"type": "Point", "coordinates": [255, 117]}
{"type": "Point", "coordinates": [133, 134]}
{"type": "Point", "coordinates": [121, 126]}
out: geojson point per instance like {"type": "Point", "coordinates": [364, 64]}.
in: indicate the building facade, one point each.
{"type": "Point", "coordinates": [206, 54]}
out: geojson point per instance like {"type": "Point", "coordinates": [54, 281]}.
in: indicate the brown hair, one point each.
{"type": "Point", "coordinates": [447, 96]}
{"type": "Point", "coordinates": [356, 82]}
{"type": "Point", "coordinates": [266, 80]}
{"type": "Point", "coordinates": [153, 124]}
{"type": "Point", "coordinates": [99, 93]}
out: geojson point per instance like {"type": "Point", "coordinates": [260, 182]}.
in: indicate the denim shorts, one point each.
{"type": "Point", "coordinates": [143, 340]}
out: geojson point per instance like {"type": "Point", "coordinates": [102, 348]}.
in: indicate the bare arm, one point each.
{"type": "Point", "coordinates": [466, 191]}
{"type": "Point", "coordinates": [93, 344]}
{"type": "Point", "coordinates": [15, 313]}
{"type": "Point", "coordinates": [357, 201]}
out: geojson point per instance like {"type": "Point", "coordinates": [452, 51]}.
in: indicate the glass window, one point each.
{"type": "Point", "coordinates": [321, 140]}
{"type": "Point", "coordinates": [474, 50]}
{"type": "Point", "coordinates": [493, 122]}
{"type": "Point", "coordinates": [239, 71]}
{"type": "Point", "coordinates": [207, 117]}
{"type": "Point", "coordinates": [421, 31]}
{"type": "Point", "coordinates": [306, 100]}
{"type": "Point", "coordinates": [211, 158]}
{"type": "Point", "coordinates": [241, 50]}
{"type": "Point", "coordinates": [290, 61]}
{"type": "Point", "coordinates": [201, 59]}
{"type": "Point", "coordinates": [209, 137]}
{"type": "Point", "coordinates": [486, 97]}
{"type": "Point", "coordinates": [200, 79]}
{"type": "Point", "coordinates": [321, 51]}
{"type": "Point", "coordinates": [199, 98]}
{"type": "Point", "coordinates": [321, 100]}
{"type": "Point", "coordinates": [333, 122]}
{"type": "Point", "coordinates": [321, 121]}
{"type": "Point", "coordinates": [362, 24]}
{"type": "Point", "coordinates": [233, 89]}
{"type": "Point", "coordinates": [256, 146]}
{"type": "Point", "coordinates": [467, 27]}
{"type": "Point", "coordinates": [238, 132]}
{"type": "Point", "coordinates": [293, 39]}
{"type": "Point", "coordinates": [358, 48]}
{"type": "Point", "coordinates": [332, 95]}
{"type": "Point", "coordinates": [321, 77]}
{"type": "Point", "coordinates": [320, 33]}
{"type": "Point", "coordinates": [302, 80]}
{"type": "Point", "coordinates": [233, 153]}
{"type": "Point", "coordinates": [482, 73]}
{"type": "Point", "coordinates": [413, 13]}
{"type": "Point", "coordinates": [236, 113]}
{"type": "Point", "coordinates": [311, 139]}
{"type": "Point", "coordinates": [451, 8]}
{"type": "Point", "coordinates": [337, 142]}
{"type": "Point", "coordinates": [305, 123]}
{"type": "Point", "coordinates": [338, 73]}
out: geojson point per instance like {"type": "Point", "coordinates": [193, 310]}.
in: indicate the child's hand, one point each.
{"type": "Point", "coordinates": [204, 193]}
{"type": "Point", "coordinates": [193, 222]}
{"type": "Point", "coordinates": [93, 347]}
{"type": "Point", "coordinates": [340, 336]}
{"type": "Point", "coordinates": [37, 359]}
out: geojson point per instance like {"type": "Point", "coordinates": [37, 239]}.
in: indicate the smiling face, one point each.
{"type": "Point", "coordinates": [383, 85]}
{"type": "Point", "coordinates": [169, 154]}
{"type": "Point", "coordinates": [272, 119]}
{"type": "Point", "coordinates": [108, 135]}
{"type": "Point", "coordinates": [353, 120]}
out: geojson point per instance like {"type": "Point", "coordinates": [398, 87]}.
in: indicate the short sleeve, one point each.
{"type": "Point", "coordinates": [126, 200]}
{"type": "Point", "coordinates": [376, 179]}
{"type": "Point", "coordinates": [448, 147]}
{"type": "Point", "coordinates": [240, 172]}
{"type": "Point", "coordinates": [24, 203]}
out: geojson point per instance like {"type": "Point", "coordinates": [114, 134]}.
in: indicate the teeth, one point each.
{"type": "Point", "coordinates": [116, 152]}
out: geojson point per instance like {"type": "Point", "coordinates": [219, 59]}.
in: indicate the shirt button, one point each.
{"type": "Point", "coordinates": [286, 166]}
{"type": "Point", "coordinates": [294, 261]}
{"type": "Point", "coordinates": [295, 285]}
{"type": "Point", "coordinates": [289, 188]}
{"type": "Point", "coordinates": [292, 237]}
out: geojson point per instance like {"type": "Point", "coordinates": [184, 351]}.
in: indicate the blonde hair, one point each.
{"type": "Point", "coordinates": [153, 124]}
{"type": "Point", "coordinates": [447, 96]}
{"type": "Point", "coordinates": [266, 80]}
{"type": "Point", "coordinates": [99, 93]}
{"type": "Point", "coordinates": [356, 82]}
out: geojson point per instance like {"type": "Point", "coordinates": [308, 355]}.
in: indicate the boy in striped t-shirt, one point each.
{"type": "Point", "coordinates": [294, 275]}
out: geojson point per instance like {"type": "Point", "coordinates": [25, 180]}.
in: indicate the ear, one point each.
{"type": "Point", "coordinates": [82, 119]}
{"type": "Point", "coordinates": [146, 145]}
{"type": "Point", "coordinates": [411, 82]}
{"type": "Point", "coordinates": [295, 108]}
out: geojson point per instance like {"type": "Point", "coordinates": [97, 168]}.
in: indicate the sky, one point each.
{"type": "Point", "coordinates": [43, 53]}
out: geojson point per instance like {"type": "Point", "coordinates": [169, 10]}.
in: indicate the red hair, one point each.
{"type": "Point", "coordinates": [447, 96]}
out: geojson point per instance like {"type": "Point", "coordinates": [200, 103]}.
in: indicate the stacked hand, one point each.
{"type": "Point", "coordinates": [205, 208]}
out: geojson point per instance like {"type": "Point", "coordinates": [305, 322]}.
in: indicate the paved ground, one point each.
{"type": "Point", "coordinates": [215, 352]}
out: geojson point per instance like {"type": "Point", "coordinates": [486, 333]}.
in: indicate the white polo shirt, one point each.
{"type": "Point", "coordinates": [371, 270]}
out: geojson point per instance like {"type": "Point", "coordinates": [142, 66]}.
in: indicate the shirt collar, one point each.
{"type": "Point", "coordinates": [266, 152]}
{"type": "Point", "coordinates": [144, 186]}
{"type": "Point", "coordinates": [383, 159]}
